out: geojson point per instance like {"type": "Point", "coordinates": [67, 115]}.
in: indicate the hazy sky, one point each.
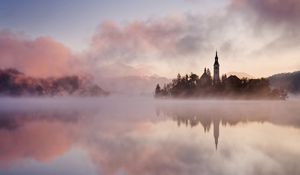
{"type": "Point", "coordinates": [117, 38]}
{"type": "Point", "coordinates": [72, 22]}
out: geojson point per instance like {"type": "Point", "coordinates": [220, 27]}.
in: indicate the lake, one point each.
{"type": "Point", "coordinates": [143, 136]}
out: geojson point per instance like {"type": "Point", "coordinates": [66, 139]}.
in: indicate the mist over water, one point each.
{"type": "Point", "coordinates": [141, 135]}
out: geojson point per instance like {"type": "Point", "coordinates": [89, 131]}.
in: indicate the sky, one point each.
{"type": "Point", "coordinates": [56, 18]}
{"type": "Point", "coordinates": [149, 38]}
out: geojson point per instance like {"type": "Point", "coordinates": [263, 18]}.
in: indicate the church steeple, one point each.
{"type": "Point", "coordinates": [216, 79]}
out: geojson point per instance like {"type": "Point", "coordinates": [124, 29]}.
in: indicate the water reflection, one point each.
{"type": "Point", "coordinates": [147, 137]}
{"type": "Point", "coordinates": [194, 113]}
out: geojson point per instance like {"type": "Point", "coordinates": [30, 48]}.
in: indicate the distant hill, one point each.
{"type": "Point", "coordinates": [288, 81]}
{"type": "Point", "coordinates": [132, 85]}
{"type": "Point", "coordinates": [15, 83]}
{"type": "Point", "coordinates": [240, 75]}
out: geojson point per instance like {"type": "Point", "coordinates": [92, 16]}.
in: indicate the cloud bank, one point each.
{"type": "Point", "coordinates": [246, 32]}
{"type": "Point", "coordinates": [40, 57]}
{"type": "Point", "coordinates": [170, 36]}
{"type": "Point", "coordinates": [271, 11]}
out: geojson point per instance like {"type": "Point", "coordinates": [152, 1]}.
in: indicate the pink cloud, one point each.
{"type": "Point", "coordinates": [162, 37]}
{"type": "Point", "coordinates": [38, 57]}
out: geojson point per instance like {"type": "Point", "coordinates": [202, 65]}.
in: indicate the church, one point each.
{"type": "Point", "coordinates": [216, 70]}
{"type": "Point", "coordinates": [213, 86]}
{"type": "Point", "coordinates": [206, 79]}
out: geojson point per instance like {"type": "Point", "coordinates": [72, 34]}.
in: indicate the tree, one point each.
{"type": "Point", "coordinates": [208, 72]}
{"type": "Point", "coordinates": [193, 86]}
{"type": "Point", "coordinates": [178, 77]}
{"type": "Point", "coordinates": [193, 77]}
{"type": "Point", "coordinates": [157, 90]}
{"type": "Point", "coordinates": [224, 77]}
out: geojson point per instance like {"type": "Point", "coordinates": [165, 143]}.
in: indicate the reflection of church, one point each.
{"type": "Point", "coordinates": [192, 114]}
{"type": "Point", "coordinates": [205, 122]}
{"type": "Point", "coordinates": [216, 131]}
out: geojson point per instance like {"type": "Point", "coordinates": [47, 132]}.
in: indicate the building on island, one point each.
{"type": "Point", "coordinates": [208, 85]}
{"type": "Point", "coordinates": [206, 80]}
{"type": "Point", "coordinates": [216, 78]}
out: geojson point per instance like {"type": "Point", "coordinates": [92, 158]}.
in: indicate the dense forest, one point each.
{"type": "Point", "coordinates": [191, 86]}
{"type": "Point", "coordinates": [15, 83]}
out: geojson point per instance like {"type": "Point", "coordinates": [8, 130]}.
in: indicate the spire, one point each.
{"type": "Point", "coordinates": [205, 70]}
{"type": "Point", "coordinates": [216, 124]}
{"type": "Point", "coordinates": [216, 143]}
{"type": "Point", "coordinates": [216, 58]}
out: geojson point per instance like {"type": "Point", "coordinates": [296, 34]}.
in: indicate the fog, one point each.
{"type": "Point", "coordinates": [146, 107]}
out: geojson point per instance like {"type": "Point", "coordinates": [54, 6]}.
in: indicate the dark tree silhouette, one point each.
{"type": "Point", "coordinates": [229, 87]}
{"type": "Point", "coordinates": [15, 83]}
{"type": "Point", "coordinates": [157, 90]}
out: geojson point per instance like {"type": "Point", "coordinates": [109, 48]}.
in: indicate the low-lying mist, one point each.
{"type": "Point", "coordinates": [141, 107]}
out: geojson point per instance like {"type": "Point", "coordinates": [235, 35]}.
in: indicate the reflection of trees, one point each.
{"type": "Point", "coordinates": [192, 120]}
{"type": "Point", "coordinates": [231, 112]}
{"type": "Point", "coordinates": [12, 119]}
{"type": "Point", "coordinates": [194, 116]}
{"type": "Point", "coordinates": [205, 114]}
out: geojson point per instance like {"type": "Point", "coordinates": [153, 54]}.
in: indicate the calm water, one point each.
{"type": "Point", "coordinates": [141, 136]}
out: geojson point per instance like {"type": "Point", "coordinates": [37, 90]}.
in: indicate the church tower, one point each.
{"type": "Point", "coordinates": [216, 79]}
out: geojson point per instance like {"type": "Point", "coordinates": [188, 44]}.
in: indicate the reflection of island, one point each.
{"type": "Point", "coordinates": [205, 122]}
{"type": "Point", "coordinates": [229, 113]}
{"type": "Point", "coordinates": [194, 121]}
{"type": "Point", "coordinates": [115, 137]}
{"type": "Point", "coordinates": [226, 87]}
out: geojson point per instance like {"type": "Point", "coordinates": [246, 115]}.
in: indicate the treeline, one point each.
{"type": "Point", "coordinates": [15, 83]}
{"type": "Point", "coordinates": [288, 81]}
{"type": "Point", "coordinates": [228, 87]}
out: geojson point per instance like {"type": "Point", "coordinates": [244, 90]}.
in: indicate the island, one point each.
{"type": "Point", "coordinates": [208, 86]}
